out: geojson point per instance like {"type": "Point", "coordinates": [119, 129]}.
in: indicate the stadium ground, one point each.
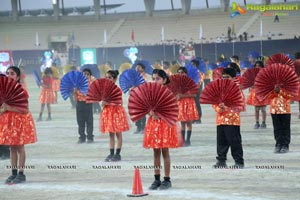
{"type": "Point", "coordinates": [59, 168]}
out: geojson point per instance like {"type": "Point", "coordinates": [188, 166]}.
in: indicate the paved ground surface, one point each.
{"type": "Point", "coordinates": [89, 177]}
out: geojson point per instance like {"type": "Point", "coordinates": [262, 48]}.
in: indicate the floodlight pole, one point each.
{"type": "Point", "coordinates": [73, 49]}
{"type": "Point", "coordinates": [261, 35]}
{"type": "Point", "coordinates": [201, 52]}
{"type": "Point", "coordinates": [164, 49]}
{"type": "Point", "coordinates": [174, 52]}
{"type": "Point", "coordinates": [232, 47]}
{"type": "Point", "coordinates": [104, 54]}
{"type": "Point", "coordinates": [261, 47]}
{"type": "Point", "coordinates": [216, 52]}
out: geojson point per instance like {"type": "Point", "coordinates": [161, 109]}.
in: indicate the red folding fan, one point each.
{"type": "Point", "coordinates": [222, 91]}
{"type": "Point", "coordinates": [182, 84]}
{"type": "Point", "coordinates": [280, 58]}
{"type": "Point", "coordinates": [276, 75]}
{"type": "Point", "coordinates": [297, 67]}
{"type": "Point", "coordinates": [153, 97]}
{"type": "Point", "coordinates": [13, 94]}
{"type": "Point", "coordinates": [217, 73]}
{"type": "Point", "coordinates": [104, 90]}
{"type": "Point", "coordinates": [249, 77]}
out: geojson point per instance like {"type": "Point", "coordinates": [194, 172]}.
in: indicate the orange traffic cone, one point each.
{"type": "Point", "coordinates": [137, 188]}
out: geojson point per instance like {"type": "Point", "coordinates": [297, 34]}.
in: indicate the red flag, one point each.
{"type": "Point", "coordinates": [132, 35]}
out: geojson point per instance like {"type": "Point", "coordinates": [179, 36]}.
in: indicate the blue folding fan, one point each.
{"type": "Point", "coordinates": [212, 66]}
{"type": "Point", "coordinates": [245, 64]}
{"type": "Point", "coordinates": [148, 66]}
{"type": "Point", "coordinates": [71, 80]}
{"type": "Point", "coordinates": [130, 78]}
{"type": "Point", "coordinates": [223, 64]}
{"type": "Point", "coordinates": [253, 54]}
{"type": "Point", "coordinates": [193, 73]}
{"type": "Point", "coordinates": [37, 78]}
{"type": "Point", "coordinates": [202, 65]}
{"type": "Point", "coordinates": [94, 69]}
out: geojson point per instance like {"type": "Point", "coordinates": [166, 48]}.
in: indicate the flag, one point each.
{"type": "Point", "coordinates": [132, 35]}
{"type": "Point", "coordinates": [6, 39]}
{"type": "Point", "coordinates": [104, 37]}
{"type": "Point", "coordinates": [261, 28]}
{"type": "Point", "coordinates": [37, 42]}
{"type": "Point", "coordinates": [200, 32]}
{"type": "Point", "coordinates": [162, 33]}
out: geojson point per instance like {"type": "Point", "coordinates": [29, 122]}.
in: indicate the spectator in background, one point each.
{"type": "Point", "coordinates": [276, 18]}
{"type": "Point", "coordinates": [245, 36]}
{"type": "Point", "coordinates": [196, 64]}
{"type": "Point", "coordinates": [269, 35]}
{"type": "Point", "coordinates": [229, 33]}
{"type": "Point", "coordinates": [241, 38]}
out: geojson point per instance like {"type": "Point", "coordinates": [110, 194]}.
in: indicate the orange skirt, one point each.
{"type": "Point", "coordinates": [252, 99]}
{"type": "Point", "coordinates": [158, 135]}
{"type": "Point", "coordinates": [113, 119]}
{"type": "Point", "coordinates": [17, 129]}
{"type": "Point", "coordinates": [47, 96]}
{"type": "Point", "coordinates": [56, 85]}
{"type": "Point", "coordinates": [187, 110]}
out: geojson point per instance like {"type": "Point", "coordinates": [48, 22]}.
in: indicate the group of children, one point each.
{"type": "Point", "coordinates": [113, 120]}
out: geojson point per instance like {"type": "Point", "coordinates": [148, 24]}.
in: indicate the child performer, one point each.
{"type": "Point", "coordinates": [113, 119]}
{"type": "Point", "coordinates": [16, 129]}
{"type": "Point", "coordinates": [159, 136]}
{"type": "Point", "coordinates": [187, 111]}
{"type": "Point", "coordinates": [140, 124]}
{"type": "Point", "coordinates": [259, 106]}
{"type": "Point", "coordinates": [228, 131]}
{"type": "Point", "coordinates": [280, 110]}
{"type": "Point", "coordinates": [196, 64]}
{"type": "Point", "coordinates": [47, 95]}
{"type": "Point", "coordinates": [55, 80]}
{"type": "Point", "coordinates": [4, 150]}
{"type": "Point", "coordinates": [84, 113]}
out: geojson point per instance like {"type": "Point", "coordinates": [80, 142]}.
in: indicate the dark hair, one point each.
{"type": "Point", "coordinates": [195, 62]}
{"type": "Point", "coordinates": [174, 62]}
{"type": "Point", "coordinates": [87, 70]}
{"type": "Point", "coordinates": [16, 70]}
{"type": "Point", "coordinates": [161, 73]}
{"type": "Point", "coordinates": [183, 69]}
{"type": "Point", "coordinates": [230, 71]}
{"type": "Point", "coordinates": [142, 65]}
{"type": "Point", "coordinates": [113, 73]}
{"type": "Point", "coordinates": [260, 63]}
{"type": "Point", "coordinates": [166, 63]}
{"type": "Point", "coordinates": [235, 57]}
{"type": "Point", "coordinates": [73, 67]}
{"type": "Point", "coordinates": [297, 55]}
{"type": "Point", "coordinates": [48, 71]}
{"type": "Point", "coordinates": [235, 67]}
